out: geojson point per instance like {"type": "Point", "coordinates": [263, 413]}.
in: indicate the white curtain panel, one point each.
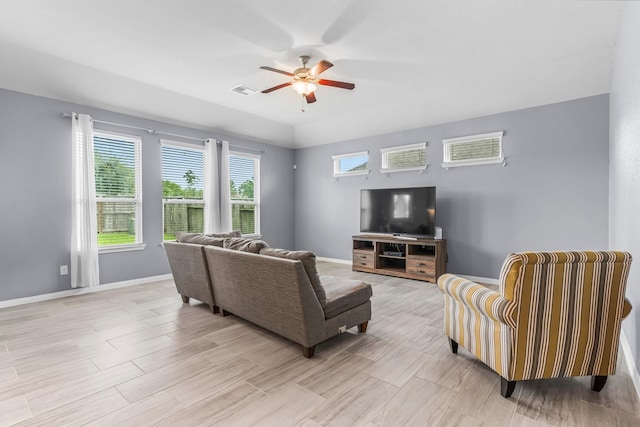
{"type": "Point", "coordinates": [211, 191]}
{"type": "Point", "coordinates": [84, 227]}
{"type": "Point", "coordinates": [225, 190]}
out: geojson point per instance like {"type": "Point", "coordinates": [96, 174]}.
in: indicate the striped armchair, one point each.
{"type": "Point", "coordinates": [556, 314]}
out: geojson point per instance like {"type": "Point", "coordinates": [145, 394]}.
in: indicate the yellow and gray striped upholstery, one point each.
{"type": "Point", "coordinates": [556, 314]}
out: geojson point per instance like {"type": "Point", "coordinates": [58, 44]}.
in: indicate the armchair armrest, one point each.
{"type": "Point", "coordinates": [477, 297]}
{"type": "Point", "coordinates": [626, 308]}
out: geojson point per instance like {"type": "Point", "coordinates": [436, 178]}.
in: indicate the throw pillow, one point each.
{"type": "Point", "coordinates": [199, 239]}
{"type": "Point", "coordinates": [309, 262]}
{"type": "Point", "coordinates": [246, 245]}
{"type": "Point", "coordinates": [234, 233]}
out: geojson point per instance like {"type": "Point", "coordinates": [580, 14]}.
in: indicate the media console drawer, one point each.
{"type": "Point", "coordinates": [421, 264]}
{"type": "Point", "coordinates": [363, 260]}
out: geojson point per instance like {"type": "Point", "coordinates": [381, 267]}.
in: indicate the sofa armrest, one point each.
{"type": "Point", "coordinates": [477, 297]}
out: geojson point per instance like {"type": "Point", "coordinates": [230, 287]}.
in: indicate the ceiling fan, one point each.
{"type": "Point", "coordinates": [304, 80]}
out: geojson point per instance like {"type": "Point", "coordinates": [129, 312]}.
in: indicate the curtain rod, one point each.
{"type": "Point", "coordinates": [157, 132]}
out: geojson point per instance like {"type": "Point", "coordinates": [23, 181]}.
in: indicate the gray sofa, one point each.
{"type": "Point", "coordinates": [276, 289]}
{"type": "Point", "coordinates": [281, 291]}
{"type": "Point", "coordinates": [189, 266]}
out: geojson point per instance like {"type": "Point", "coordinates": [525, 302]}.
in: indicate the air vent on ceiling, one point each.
{"type": "Point", "coordinates": [244, 90]}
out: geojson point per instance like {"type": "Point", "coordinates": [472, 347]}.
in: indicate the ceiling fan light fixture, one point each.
{"type": "Point", "coordinates": [304, 88]}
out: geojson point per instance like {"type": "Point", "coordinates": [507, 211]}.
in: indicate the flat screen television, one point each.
{"type": "Point", "coordinates": [402, 211]}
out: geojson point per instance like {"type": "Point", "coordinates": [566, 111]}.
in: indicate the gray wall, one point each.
{"type": "Point", "coordinates": [624, 199]}
{"type": "Point", "coordinates": [35, 177]}
{"type": "Point", "coordinates": [553, 194]}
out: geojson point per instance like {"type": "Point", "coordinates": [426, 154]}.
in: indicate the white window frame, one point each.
{"type": "Point", "coordinates": [386, 151]}
{"type": "Point", "coordinates": [137, 199]}
{"type": "Point", "coordinates": [184, 146]}
{"type": "Point", "coordinates": [336, 164]}
{"type": "Point", "coordinates": [448, 163]}
{"type": "Point", "coordinates": [256, 190]}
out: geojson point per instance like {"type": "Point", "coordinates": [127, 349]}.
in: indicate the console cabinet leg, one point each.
{"type": "Point", "coordinates": [308, 351]}
{"type": "Point", "coordinates": [185, 299]}
{"type": "Point", "coordinates": [362, 327]}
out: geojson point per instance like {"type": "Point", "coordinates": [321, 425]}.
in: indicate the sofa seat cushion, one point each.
{"type": "Point", "coordinates": [344, 294]}
{"type": "Point", "coordinates": [199, 239]}
{"type": "Point", "coordinates": [309, 262]}
{"type": "Point", "coordinates": [246, 245]}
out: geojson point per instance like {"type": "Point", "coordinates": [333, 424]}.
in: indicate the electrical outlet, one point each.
{"type": "Point", "coordinates": [342, 329]}
{"type": "Point", "coordinates": [64, 270]}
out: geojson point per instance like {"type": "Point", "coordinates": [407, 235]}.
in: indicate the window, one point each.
{"type": "Point", "coordinates": [473, 150]}
{"type": "Point", "coordinates": [118, 191]}
{"type": "Point", "coordinates": [351, 164]}
{"type": "Point", "coordinates": [182, 184]}
{"type": "Point", "coordinates": [244, 177]}
{"type": "Point", "coordinates": [404, 158]}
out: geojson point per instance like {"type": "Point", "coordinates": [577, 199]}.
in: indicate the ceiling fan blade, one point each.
{"type": "Point", "coordinates": [271, 89]}
{"type": "Point", "coordinates": [311, 98]}
{"type": "Point", "coordinates": [275, 70]}
{"type": "Point", "coordinates": [321, 67]}
{"type": "Point", "coordinates": [341, 85]}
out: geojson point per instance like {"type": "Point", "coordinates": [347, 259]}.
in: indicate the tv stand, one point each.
{"type": "Point", "coordinates": [415, 258]}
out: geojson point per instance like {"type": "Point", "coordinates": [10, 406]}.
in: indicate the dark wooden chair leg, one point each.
{"type": "Point", "coordinates": [185, 299]}
{"type": "Point", "coordinates": [215, 309]}
{"type": "Point", "coordinates": [308, 351]}
{"type": "Point", "coordinates": [225, 313]}
{"type": "Point", "coordinates": [507, 387]}
{"type": "Point", "coordinates": [453, 345]}
{"type": "Point", "coordinates": [598, 382]}
{"type": "Point", "coordinates": [362, 327]}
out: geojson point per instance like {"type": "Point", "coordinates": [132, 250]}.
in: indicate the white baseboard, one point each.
{"type": "Point", "coordinates": [336, 260]}
{"type": "Point", "coordinates": [631, 364]}
{"type": "Point", "coordinates": [80, 291]}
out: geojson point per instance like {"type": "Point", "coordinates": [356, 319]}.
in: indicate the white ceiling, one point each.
{"type": "Point", "coordinates": [414, 62]}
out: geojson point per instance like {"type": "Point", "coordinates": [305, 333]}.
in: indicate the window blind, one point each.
{"type": "Point", "coordinates": [407, 157]}
{"type": "Point", "coordinates": [182, 189]}
{"type": "Point", "coordinates": [117, 167]}
{"type": "Point", "coordinates": [245, 198]}
{"type": "Point", "coordinates": [473, 150]}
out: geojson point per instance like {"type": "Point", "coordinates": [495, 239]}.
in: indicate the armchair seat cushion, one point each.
{"type": "Point", "coordinates": [343, 294]}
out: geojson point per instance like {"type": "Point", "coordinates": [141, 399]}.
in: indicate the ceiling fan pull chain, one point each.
{"type": "Point", "coordinates": [302, 99]}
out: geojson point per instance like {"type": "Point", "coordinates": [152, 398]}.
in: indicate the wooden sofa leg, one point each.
{"type": "Point", "coordinates": [185, 299]}
{"type": "Point", "coordinates": [454, 346]}
{"type": "Point", "coordinates": [308, 351]}
{"type": "Point", "coordinates": [225, 313]}
{"type": "Point", "coordinates": [215, 309]}
{"type": "Point", "coordinates": [362, 327]}
{"type": "Point", "coordinates": [598, 382]}
{"type": "Point", "coordinates": [507, 387]}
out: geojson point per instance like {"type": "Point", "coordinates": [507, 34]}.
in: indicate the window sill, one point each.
{"type": "Point", "coordinates": [340, 175]}
{"type": "Point", "coordinates": [121, 248]}
{"type": "Point", "coordinates": [472, 163]}
{"type": "Point", "coordinates": [416, 168]}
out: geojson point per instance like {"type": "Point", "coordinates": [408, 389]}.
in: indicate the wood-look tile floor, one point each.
{"type": "Point", "coordinates": [137, 356]}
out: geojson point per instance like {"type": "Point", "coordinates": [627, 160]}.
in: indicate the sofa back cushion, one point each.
{"type": "Point", "coordinates": [246, 245]}
{"type": "Point", "coordinates": [309, 262]}
{"type": "Point", "coordinates": [199, 239]}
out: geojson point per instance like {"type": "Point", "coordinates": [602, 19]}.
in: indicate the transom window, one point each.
{"type": "Point", "coordinates": [244, 177]}
{"type": "Point", "coordinates": [473, 150]}
{"type": "Point", "coordinates": [351, 164]}
{"type": "Point", "coordinates": [404, 158]}
{"type": "Point", "coordinates": [117, 166]}
{"type": "Point", "coordinates": [182, 188]}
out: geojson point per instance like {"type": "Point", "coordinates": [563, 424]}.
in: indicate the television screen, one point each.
{"type": "Point", "coordinates": [409, 211]}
